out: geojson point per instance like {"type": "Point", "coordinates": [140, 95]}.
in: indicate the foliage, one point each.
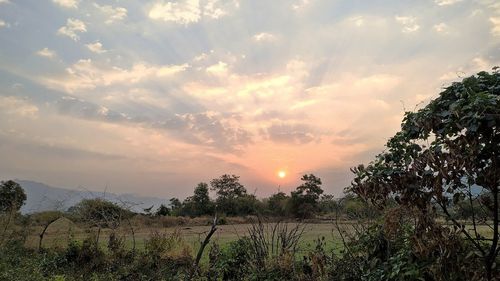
{"type": "Point", "coordinates": [162, 211]}
{"type": "Point", "coordinates": [446, 153]}
{"type": "Point", "coordinates": [304, 200]}
{"type": "Point", "coordinates": [175, 206]}
{"type": "Point", "coordinates": [100, 212]}
{"type": "Point", "coordinates": [199, 204]}
{"type": "Point", "coordinates": [232, 198]}
{"type": "Point", "coordinates": [12, 196]}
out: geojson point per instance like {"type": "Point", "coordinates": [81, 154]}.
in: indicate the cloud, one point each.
{"type": "Point", "coordinates": [183, 12]}
{"type": "Point", "coordinates": [4, 1]}
{"type": "Point", "coordinates": [441, 28]}
{"type": "Point", "coordinates": [264, 37]}
{"type": "Point", "coordinates": [409, 23]}
{"type": "Point", "coordinates": [470, 68]}
{"type": "Point", "coordinates": [72, 27]}
{"type": "Point", "coordinates": [46, 52]}
{"type": "Point", "coordinates": [218, 69]}
{"type": "Point", "coordinates": [208, 128]}
{"type": "Point", "coordinates": [112, 14]}
{"type": "Point", "coordinates": [86, 74]}
{"type": "Point", "coordinates": [214, 9]}
{"type": "Point", "coordinates": [446, 2]}
{"type": "Point", "coordinates": [67, 3]}
{"type": "Point", "coordinates": [87, 110]}
{"type": "Point", "coordinates": [95, 47]}
{"type": "Point", "coordinates": [291, 133]}
{"type": "Point", "coordinates": [191, 11]}
{"type": "Point", "coordinates": [16, 106]}
{"type": "Point", "coordinates": [495, 30]}
{"type": "Point", "coordinates": [299, 5]}
{"type": "Point", "coordinates": [357, 20]}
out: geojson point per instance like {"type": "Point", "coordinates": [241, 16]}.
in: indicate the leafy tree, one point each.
{"type": "Point", "coordinates": [247, 204]}
{"type": "Point", "coordinates": [45, 219]}
{"type": "Point", "coordinates": [355, 208]}
{"type": "Point", "coordinates": [12, 196]}
{"type": "Point", "coordinates": [304, 200]}
{"type": "Point", "coordinates": [327, 204]}
{"type": "Point", "coordinates": [277, 203]}
{"type": "Point", "coordinates": [99, 212]}
{"type": "Point", "coordinates": [175, 206]}
{"type": "Point", "coordinates": [228, 189]}
{"type": "Point", "coordinates": [199, 204]}
{"type": "Point", "coordinates": [162, 211]}
{"type": "Point", "coordinates": [446, 153]}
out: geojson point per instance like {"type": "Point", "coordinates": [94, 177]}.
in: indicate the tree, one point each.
{"type": "Point", "coordinates": [304, 200]}
{"type": "Point", "coordinates": [162, 211]}
{"type": "Point", "coordinates": [327, 204]}
{"type": "Point", "coordinates": [277, 203]}
{"type": "Point", "coordinates": [175, 206]}
{"type": "Point", "coordinates": [12, 197]}
{"type": "Point", "coordinates": [45, 219]}
{"type": "Point", "coordinates": [100, 213]}
{"type": "Point", "coordinates": [228, 189]}
{"type": "Point", "coordinates": [199, 204]}
{"type": "Point", "coordinates": [446, 153]}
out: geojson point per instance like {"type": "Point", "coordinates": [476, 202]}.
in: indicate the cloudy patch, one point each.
{"type": "Point", "coordinates": [446, 2]}
{"type": "Point", "coordinates": [291, 133]}
{"type": "Point", "coordinates": [191, 11]}
{"type": "Point", "coordinates": [112, 14]}
{"type": "Point", "coordinates": [301, 4]}
{"type": "Point", "coordinates": [208, 129]}
{"type": "Point", "coordinates": [82, 109]}
{"type": "Point", "coordinates": [408, 23]}
{"type": "Point", "coordinates": [87, 74]}
{"type": "Point", "coordinates": [218, 69]}
{"type": "Point", "coordinates": [72, 28]}
{"type": "Point", "coordinates": [264, 37]}
{"type": "Point", "coordinates": [96, 47]}
{"type": "Point", "coordinates": [67, 3]}
{"type": "Point", "coordinates": [46, 52]}
{"type": "Point", "coordinates": [16, 106]}
{"type": "Point", "coordinates": [182, 12]}
{"type": "Point", "coordinates": [495, 30]}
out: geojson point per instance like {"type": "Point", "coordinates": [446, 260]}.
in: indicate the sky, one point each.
{"type": "Point", "coordinates": [152, 97]}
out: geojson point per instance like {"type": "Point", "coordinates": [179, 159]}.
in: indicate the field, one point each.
{"type": "Point", "coordinates": [61, 232]}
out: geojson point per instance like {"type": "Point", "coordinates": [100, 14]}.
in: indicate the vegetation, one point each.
{"type": "Point", "coordinates": [426, 208]}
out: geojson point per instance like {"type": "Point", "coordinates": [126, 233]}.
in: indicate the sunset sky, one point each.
{"type": "Point", "coordinates": [152, 97]}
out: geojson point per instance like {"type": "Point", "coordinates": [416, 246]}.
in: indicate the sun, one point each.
{"type": "Point", "coordinates": [281, 174]}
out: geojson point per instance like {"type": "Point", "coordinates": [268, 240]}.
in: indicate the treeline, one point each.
{"type": "Point", "coordinates": [232, 199]}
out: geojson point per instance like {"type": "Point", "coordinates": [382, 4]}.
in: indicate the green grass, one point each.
{"type": "Point", "coordinates": [59, 234]}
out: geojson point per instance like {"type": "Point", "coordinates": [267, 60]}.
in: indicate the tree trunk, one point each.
{"type": "Point", "coordinates": [43, 233]}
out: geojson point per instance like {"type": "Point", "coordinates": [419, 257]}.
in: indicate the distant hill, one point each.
{"type": "Point", "coordinates": [42, 197]}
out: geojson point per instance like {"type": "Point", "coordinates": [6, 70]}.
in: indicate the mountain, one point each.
{"type": "Point", "coordinates": [42, 197]}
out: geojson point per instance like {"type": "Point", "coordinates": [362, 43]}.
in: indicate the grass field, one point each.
{"type": "Point", "coordinates": [61, 232]}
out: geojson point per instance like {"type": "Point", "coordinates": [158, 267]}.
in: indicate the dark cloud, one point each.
{"type": "Point", "coordinates": [209, 129]}
{"type": "Point", "coordinates": [45, 150]}
{"type": "Point", "coordinates": [204, 128]}
{"type": "Point", "coordinates": [87, 110]}
{"type": "Point", "coordinates": [291, 133]}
